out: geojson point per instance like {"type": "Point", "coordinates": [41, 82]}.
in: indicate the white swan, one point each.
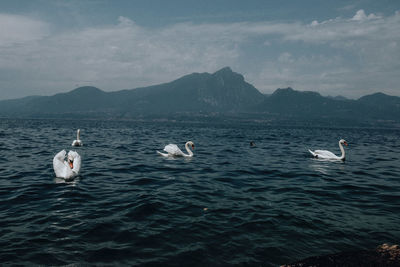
{"type": "Point", "coordinates": [78, 141]}
{"type": "Point", "coordinates": [174, 151]}
{"type": "Point", "coordinates": [67, 170]}
{"type": "Point", "coordinates": [325, 154]}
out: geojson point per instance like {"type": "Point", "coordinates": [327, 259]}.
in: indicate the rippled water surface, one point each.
{"type": "Point", "coordinates": [228, 205]}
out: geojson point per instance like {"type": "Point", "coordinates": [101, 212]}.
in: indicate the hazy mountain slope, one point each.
{"type": "Point", "coordinates": [222, 92]}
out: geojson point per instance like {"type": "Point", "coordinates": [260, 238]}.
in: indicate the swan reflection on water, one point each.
{"type": "Point", "coordinates": [324, 166]}
{"type": "Point", "coordinates": [320, 167]}
{"type": "Point", "coordinates": [71, 181]}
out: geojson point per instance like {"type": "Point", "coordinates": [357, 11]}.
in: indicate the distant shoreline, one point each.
{"type": "Point", "coordinates": [221, 119]}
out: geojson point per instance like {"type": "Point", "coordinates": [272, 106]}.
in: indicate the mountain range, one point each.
{"type": "Point", "coordinates": [203, 94]}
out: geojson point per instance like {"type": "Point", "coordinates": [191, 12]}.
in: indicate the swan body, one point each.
{"type": "Point", "coordinates": [64, 169]}
{"type": "Point", "coordinates": [325, 154]}
{"type": "Point", "coordinates": [174, 151]}
{"type": "Point", "coordinates": [78, 141]}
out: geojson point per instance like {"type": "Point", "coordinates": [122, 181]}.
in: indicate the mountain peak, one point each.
{"type": "Point", "coordinates": [338, 97]}
{"type": "Point", "coordinates": [224, 70]}
{"type": "Point", "coordinates": [294, 94]}
{"type": "Point", "coordinates": [283, 91]}
{"type": "Point", "coordinates": [374, 96]}
{"type": "Point", "coordinates": [288, 89]}
{"type": "Point", "coordinates": [226, 74]}
{"type": "Point", "coordinates": [380, 99]}
{"type": "Point", "coordinates": [86, 90]}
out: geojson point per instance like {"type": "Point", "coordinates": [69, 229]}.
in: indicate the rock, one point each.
{"type": "Point", "coordinates": [384, 255]}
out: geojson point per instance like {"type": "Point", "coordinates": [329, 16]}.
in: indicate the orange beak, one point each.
{"type": "Point", "coordinates": [345, 143]}
{"type": "Point", "coordinates": [71, 164]}
{"type": "Point", "coordinates": [192, 146]}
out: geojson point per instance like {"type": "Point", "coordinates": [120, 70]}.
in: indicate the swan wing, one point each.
{"type": "Point", "coordinates": [60, 155]}
{"type": "Point", "coordinates": [61, 168]}
{"type": "Point", "coordinates": [173, 149]}
{"type": "Point", "coordinates": [325, 154]}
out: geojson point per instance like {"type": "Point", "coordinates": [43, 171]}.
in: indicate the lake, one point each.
{"type": "Point", "coordinates": [231, 204]}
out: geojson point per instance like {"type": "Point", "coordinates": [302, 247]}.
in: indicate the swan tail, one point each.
{"type": "Point", "coordinates": [162, 154]}
{"type": "Point", "coordinates": [312, 153]}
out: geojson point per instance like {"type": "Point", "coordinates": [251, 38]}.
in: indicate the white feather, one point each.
{"type": "Point", "coordinates": [78, 141]}
{"type": "Point", "coordinates": [62, 168]}
{"type": "Point", "coordinates": [174, 151]}
{"type": "Point", "coordinates": [325, 154]}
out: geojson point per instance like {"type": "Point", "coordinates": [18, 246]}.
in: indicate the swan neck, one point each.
{"type": "Point", "coordinates": [190, 153]}
{"type": "Point", "coordinates": [78, 134]}
{"type": "Point", "coordinates": [342, 149]}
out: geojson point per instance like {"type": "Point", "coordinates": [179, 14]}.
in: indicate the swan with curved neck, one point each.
{"type": "Point", "coordinates": [174, 151]}
{"type": "Point", "coordinates": [67, 169]}
{"type": "Point", "coordinates": [78, 141]}
{"type": "Point", "coordinates": [325, 154]}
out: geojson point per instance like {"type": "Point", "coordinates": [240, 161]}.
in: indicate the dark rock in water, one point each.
{"type": "Point", "coordinates": [384, 255]}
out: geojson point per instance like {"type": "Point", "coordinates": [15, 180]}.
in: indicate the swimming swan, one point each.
{"type": "Point", "coordinates": [325, 154]}
{"type": "Point", "coordinates": [78, 141]}
{"type": "Point", "coordinates": [174, 151]}
{"type": "Point", "coordinates": [64, 169]}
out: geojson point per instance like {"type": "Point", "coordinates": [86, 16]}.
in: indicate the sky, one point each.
{"type": "Point", "coordinates": [349, 48]}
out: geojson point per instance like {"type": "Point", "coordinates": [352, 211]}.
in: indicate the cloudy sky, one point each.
{"type": "Point", "coordinates": [348, 48]}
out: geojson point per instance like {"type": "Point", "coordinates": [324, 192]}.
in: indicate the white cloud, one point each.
{"type": "Point", "coordinates": [15, 29]}
{"type": "Point", "coordinates": [358, 58]}
{"type": "Point", "coordinates": [360, 16]}
{"type": "Point", "coordinates": [113, 57]}
{"type": "Point", "coordinates": [336, 54]}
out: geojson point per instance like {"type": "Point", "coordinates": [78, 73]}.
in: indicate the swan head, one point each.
{"type": "Point", "coordinates": [190, 143]}
{"type": "Point", "coordinates": [71, 161]}
{"type": "Point", "coordinates": [343, 142]}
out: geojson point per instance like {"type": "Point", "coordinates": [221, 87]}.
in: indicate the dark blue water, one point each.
{"type": "Point", "coordinates": [228, 205]}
